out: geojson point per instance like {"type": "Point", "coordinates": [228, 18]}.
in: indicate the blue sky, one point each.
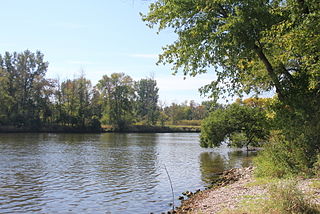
{"type": "Point", "coordinates": [97, 36]}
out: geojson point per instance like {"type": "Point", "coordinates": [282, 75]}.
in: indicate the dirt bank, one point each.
{"type": "Point", "coordinates": [235, 186]}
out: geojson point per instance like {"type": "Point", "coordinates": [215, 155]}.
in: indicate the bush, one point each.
{"type": "Point", "coordinates": [283, 158]}
{"type": "Point", "coordinates": [189, 122]}
{"type": "Point", "coordinates": [241, 125]}
{"type": "Point", "coordinates": [316, 166]}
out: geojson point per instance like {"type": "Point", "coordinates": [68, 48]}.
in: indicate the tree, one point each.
{"type": "Point", "coordinates": [5, 98]}
{"type": "Point", "coordinates": [69, 103]}
{"type": "Point", "coordinates": [117, 94]}
{"type": "Point", "coordinates": [253, 45]}
{"type": "Point", "coordinates": [175, 112]}
{"type": "Point", "coordinates": [241, 125]}
{"type": "Point", "coordinates": [23, 77]}
{"type": "Point", "coordinates": [29, 100]}
{"type": "Point", "coordinates": [147, 100]}
{"type": "Point", "coordinates": [77, 104]}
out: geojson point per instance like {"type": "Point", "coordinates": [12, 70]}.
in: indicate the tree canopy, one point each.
{"type": "Point", "coordinates": [147, 100]}
{"type": "Point", "coordinates": [240, 125]}
{"type": "Point", "coordinates": [253, 45]}
{"type": "Point", "coordinates": [118, 94]}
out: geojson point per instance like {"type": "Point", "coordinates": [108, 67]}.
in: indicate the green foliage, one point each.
{"type": "Point", "coordinates": [189, 122]}
{"type": "Point", "coordinates": [147, 100]}
{"type": "Point", "coordinates": [253, 45]}
{"type": "Point", "coordinates": [192, 111]}
{"type": "Point", "coordinates": [283, 158]}
{"type": "Point", "coordinates": [117, 93]}
{"type": "Point", "coordinates": [241, 125]}
{"type": "Point", "coordinates": [316, 166]}
{"type": "Point", "coordinates": [294, 145]}
{"type": "Point", "coordinates": [162, 118]}
{"type": "Point", "coordinates": [25, 94]}
{"type": "Point", "coordinates": [74, 104]}
{"type": "Point", "coordinates": [29, 100]}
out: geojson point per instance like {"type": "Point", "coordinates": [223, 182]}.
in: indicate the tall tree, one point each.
{"type": "Point", "coordinates": [253, 45]}
{"type": "Point", "coordinates": [5, 99]}
{"type": "Point", "coordinates": [117, 93]}
{"type": "Point", "coordinates": [147, 100]}
{"type": "Point", "coordinates": [23, 74]}
{"type": "Point", "coordinates": [74, 99]}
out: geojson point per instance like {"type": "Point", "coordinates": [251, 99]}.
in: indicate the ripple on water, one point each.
{"type": "Point", "coordinates": [107, 173]}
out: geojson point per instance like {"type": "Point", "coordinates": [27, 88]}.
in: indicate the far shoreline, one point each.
{"type": "Point", "coordinates": [77, 130]}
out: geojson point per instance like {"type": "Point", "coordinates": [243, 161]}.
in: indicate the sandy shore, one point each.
{"type": "Point", "coordinates": [236, 185]}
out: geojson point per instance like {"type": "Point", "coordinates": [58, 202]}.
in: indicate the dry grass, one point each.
{"type": "Point", "coordinates": [283, 198]}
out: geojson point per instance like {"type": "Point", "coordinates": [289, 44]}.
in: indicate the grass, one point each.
{"type": "Point", "coordinates": [183, 126]}
{"type": "Point", "coordinates": [263, 181]}
{"type": "Point", "coordinates": [284, 198]}
{"type": "Point", "coordinates": [189, 122]}
{"type": "Point", "coordinates": [315, 184]}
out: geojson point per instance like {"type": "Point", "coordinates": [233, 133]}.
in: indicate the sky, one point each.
{"type": "Point", "coordinates": [98, 37]}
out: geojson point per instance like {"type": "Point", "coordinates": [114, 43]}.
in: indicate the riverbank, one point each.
{"type": "Point", "coordinates": [131, 129]}
{"type": "Point", "coordinates": [238, 191]}
{"type": "Point", "coordinates": [48, 129]}
{"type": "Point", "coordinates": [156, 129]}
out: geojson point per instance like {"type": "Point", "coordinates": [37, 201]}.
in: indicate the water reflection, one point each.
{"type": "Point", "coordinates": [104, 173]}
{"type": "Point", "coordinates": [213, 163]}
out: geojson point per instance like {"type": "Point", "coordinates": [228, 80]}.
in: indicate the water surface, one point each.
{"type": "Point", "coordinates": [104, 173]}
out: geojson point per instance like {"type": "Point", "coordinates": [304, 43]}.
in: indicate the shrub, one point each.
{"type": "Point", "coordinates": [189, 122]}
{"type": "Point", "coordinates": [283, 158]}
{"type": "Point", "coordinates": [241, 125]}
{"type": "Point", "coordinates": [316, 166]}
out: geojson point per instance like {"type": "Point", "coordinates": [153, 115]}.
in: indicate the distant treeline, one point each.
{"type": "Point", "coordinates": [30, 100]}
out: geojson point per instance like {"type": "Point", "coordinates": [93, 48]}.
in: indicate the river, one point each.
{"type": "Point", "coordinates": [105, 173]}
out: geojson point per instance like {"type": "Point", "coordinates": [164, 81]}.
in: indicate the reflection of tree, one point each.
{"type": "Point", "coordinates": [211, 163]}
{"type": "Point", "coordinates": [75, 138]}
{"type": "Point", "coordinates": [240, 158]}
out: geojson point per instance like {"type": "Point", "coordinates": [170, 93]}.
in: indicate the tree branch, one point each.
{"type": "Point", "coordinates": [287, 73]}
{"type": "Point", "coordinates": [270, 71]}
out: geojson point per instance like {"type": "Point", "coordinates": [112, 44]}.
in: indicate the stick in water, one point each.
{"type": "Point", "coordinates": [171, 187]}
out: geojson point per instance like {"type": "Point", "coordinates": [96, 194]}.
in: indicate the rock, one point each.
{"type": "Point", "coordinates": [181, 198]}
{"type": "Point", "coordinates": [189, 194]}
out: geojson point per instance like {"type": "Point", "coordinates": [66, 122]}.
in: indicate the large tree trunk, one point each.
{"type": "Point", "coordinates": [270, 71]}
